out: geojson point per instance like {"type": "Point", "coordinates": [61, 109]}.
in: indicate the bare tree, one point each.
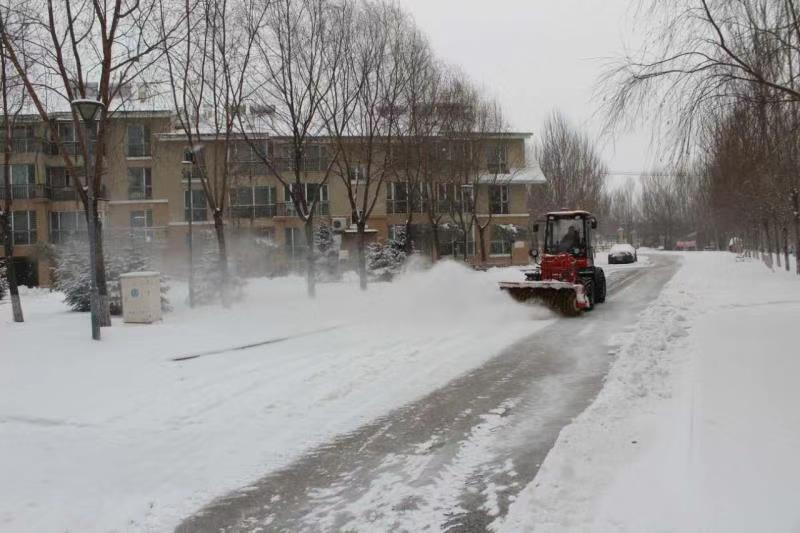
{"type": "Point", "coordinates": [413, 152]}
{"type": "Point", "coordinates": [575, 172]}
{"type": "Point", "coordinates": [623, 209]}
{"type": "Point", "coordinates": [297, 55]}
{"type": "Point", "coordinates": [721, 77]}
{"type": "Point", "coordinates": [70, 44]}
{"type": "Point", "coordinates": [362, 109]}
{"type": "Point", "coordinates": [207, 65]}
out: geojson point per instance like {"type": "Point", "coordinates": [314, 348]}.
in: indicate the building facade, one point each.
{"type": "Point", "coordinates": [150, 194]}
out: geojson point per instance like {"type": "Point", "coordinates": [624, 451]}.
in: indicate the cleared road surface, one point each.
{"type": "Point", "coordinates": [455, 459]}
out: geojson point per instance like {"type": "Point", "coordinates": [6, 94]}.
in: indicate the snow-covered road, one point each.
{"type": "Point", "coordinates": [697, 427]}
{"type": "Point", "coordinates": [458, 457]}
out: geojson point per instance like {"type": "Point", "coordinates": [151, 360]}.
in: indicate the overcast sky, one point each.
{"type": "Point", "coordinates": [538, 55]}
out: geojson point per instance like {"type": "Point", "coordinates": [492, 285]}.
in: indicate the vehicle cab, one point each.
{"type": "Point", "coordinates": [570, 232]}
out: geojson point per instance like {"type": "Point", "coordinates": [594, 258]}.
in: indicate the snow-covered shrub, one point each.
{"type": "Point", "coordinates": [73, 277]}
{"type": "Point", "coordinates": [327, 254]}
{"type": "Point", "coordinates": [208, 286]}
{"type": "Point", "coordinates": [71, 274]}
{"type": "Point", "coordinates": [384, 261]}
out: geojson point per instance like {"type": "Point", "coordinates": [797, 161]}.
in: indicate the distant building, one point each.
{"type": "Point", "coordinates": [146, 195]}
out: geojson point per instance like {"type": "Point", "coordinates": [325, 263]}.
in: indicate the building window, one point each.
{"type": "Point", "coordinates": [23, 227]}
{"type": "Point", "coordinates": [452, 242]}
{"type": "Point", "coordinates": [452, 197]}
{"type": "Point", "coordinates": [60, 185]}
{"type": "Point", "coordinates": [467, 198]}
{"type": "Point", "coordinates": [357, 174]}
{"type": "Point", "coordinates": [396, 197]}
{"type": "Point", "coordinates": [311, 192]}
{"type": "Point", "coordinates": [296, 244]}
{"type": "Point", "coordinates": [23, 139]}
{"type": "Point", "coordinates": [246, 152]}
{"type": "Point", "coordinates": [66, 225]}
{"type": "Point", "coordinates": [142, 224]}
{"type": "Point", "coordinates": [138, 144]}
{"type": "Point", "coordinates": [498, 199]}
{"type": "Point", "coordinates": [23, 182]}
{"type": "Point", "coordinates": [497, 159]}
{"type": "Point", "coordinates": [314, 158]}
{"type": "Point", "coordinates": [194, 205]}
{"type": "Point", "coordinates": [140, 184]}
{"type": "Point", "coordinates": [69, 141]}
{"type": "Point", "coordinates": [397, 233]}
{"type": "Point", "coordinates": [502, 241]}
{"type": "Point", "coordinates": [253, 202]}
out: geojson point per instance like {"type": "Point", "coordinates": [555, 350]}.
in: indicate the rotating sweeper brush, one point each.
{"type": "Point", "coordinates": [566, 278]}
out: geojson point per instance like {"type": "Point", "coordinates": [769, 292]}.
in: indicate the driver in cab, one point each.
{"type": "Point", "coordinates": [571, 239]}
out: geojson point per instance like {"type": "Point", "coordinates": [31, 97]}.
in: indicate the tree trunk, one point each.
{"type": "Point", "coordinates": [482, 243]}
{"type": "Point", "coordinates": [796, 205]}
{"type": "Point", "coordinates": [362, 255]}
{"type": "Point", "coordinates": [408, 245]}
{"type": "Point", "coordinates": [5, 227]}
{"type": "Point", "coordinates": [786, 248]}
{"type": "Point", "coordinates": [219, 231]}
{"type": "Point", "coordinates": [778, 246]}
{"type": "Point", "coordinates": [768, 243]}
{"type": "Point", "coordinates": [103, 302]}
{"type": "Point", "coordinates": [435, 242]}
{"type": "Point", "coordinates": [11, 271]}
{"type": "Point", "coordinates": [311, 271]}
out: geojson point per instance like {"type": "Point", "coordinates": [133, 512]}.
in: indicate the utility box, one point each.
{"type": "Point", "coordinates": [141, 297]}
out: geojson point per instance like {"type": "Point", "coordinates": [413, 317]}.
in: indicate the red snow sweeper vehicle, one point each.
{"type": "Point", "coordinates": [565, 277]}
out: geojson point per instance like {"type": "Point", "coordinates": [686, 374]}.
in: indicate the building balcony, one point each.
{"type": "Point", "coordinates": [63, 236]}
{"type": "Point", "coordinates": [497, 168]}
{"type": "Point", "coordinates": [254, 211]}
{"type": "Point", "coordinates": [24, 145]}
{"type": "Point", "coordinates": [308, 164]}
{"type": "Point", "coordinates": [39, 191]}
{"type": "Point", "coordinates": [248, 168]}
{"type": "Point", "coordinates": [145, 235]}
{"type": "Point", "coordinates": [287, 209]}
{"type": "Point", "coordinates": [28, 191]}
{"type": "Point", "coordinates": [400, 207]}
{"type": "Point", "coordinates": [62, 194]}
{"type": "Point", "coordinates": [138, 150]}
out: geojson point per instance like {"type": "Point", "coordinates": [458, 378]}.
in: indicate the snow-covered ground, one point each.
{"type": "Point", "coordinates": [117, 436]}
{"type": "Point", "coordinates": [697, 427]}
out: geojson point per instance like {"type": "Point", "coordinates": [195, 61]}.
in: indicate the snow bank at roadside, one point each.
{"type": "Point", "coordinates": [117, 436]}
{"type": "Point", "coordinates": [697, 427]}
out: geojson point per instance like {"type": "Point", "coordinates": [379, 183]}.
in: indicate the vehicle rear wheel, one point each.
{"type": "Point", "coordinates": [600, 286]}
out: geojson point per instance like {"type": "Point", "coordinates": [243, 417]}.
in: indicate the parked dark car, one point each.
{"type": "Point", "coordinates": [621, 254]}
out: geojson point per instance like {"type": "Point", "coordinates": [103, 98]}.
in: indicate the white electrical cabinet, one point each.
{"type": "Point", "coordinates": [141, 297]}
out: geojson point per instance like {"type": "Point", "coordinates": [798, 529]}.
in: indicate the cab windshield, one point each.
{"type": "Point", "coordinates": [565, 235]}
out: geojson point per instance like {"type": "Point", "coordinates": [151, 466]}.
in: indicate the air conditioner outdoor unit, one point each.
{"type": "Point", "coordinates": [339, 223]}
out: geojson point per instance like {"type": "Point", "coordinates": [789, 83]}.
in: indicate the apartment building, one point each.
{"type": "Point", "coordinates": [150, 195]}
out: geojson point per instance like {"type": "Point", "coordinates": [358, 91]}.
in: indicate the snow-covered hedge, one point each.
{"type": "Point", "coordinates": [385, 261]}
{"type": "Point", "coordinates": [72, 275]}
{"type": "Point", "coordinates": [208, 278]}
{"type": "Point", "coordinates": [3, 278]}
{"type": "Point", "coordinates": [327, 254]}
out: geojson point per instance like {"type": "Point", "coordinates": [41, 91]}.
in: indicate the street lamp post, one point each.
{"type": "Point", "coordinates": [87, 110]}
{"type": "Point", "coordinates": [188, 161]}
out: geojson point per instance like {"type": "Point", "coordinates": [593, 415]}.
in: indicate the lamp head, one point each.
{"type": "Point", "coordinates": [87, 109]}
